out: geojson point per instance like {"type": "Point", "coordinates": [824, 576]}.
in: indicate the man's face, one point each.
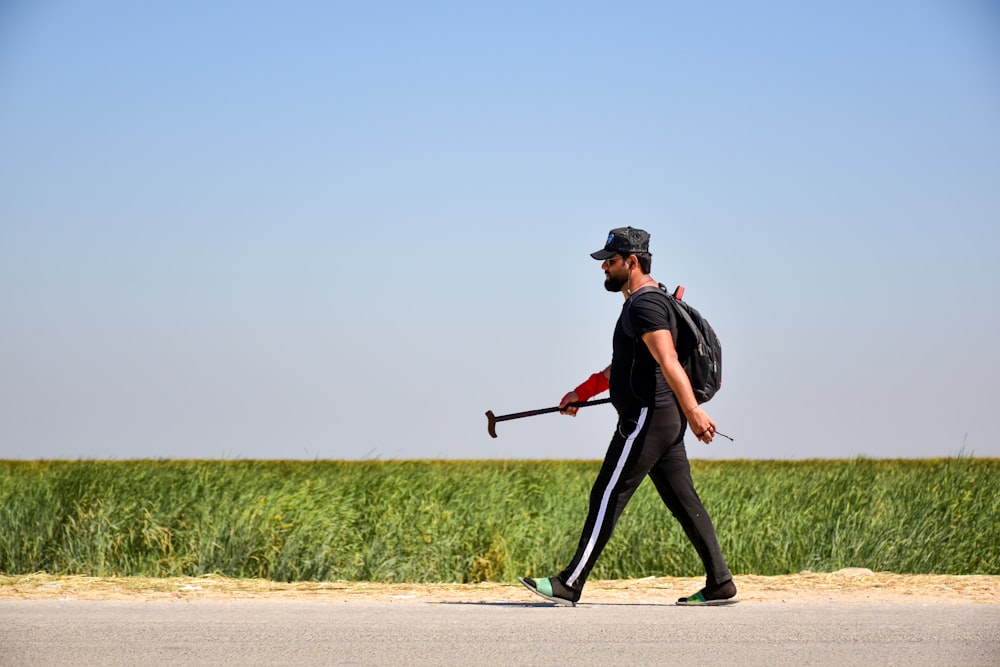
{"type": "Point", "coordinates": [615, 273]}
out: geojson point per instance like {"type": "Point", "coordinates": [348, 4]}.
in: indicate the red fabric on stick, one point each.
{"type": "Point", "coordinates": [592, 386]}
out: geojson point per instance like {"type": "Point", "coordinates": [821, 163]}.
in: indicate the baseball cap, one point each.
{"type": "Point", "coordinates": [623, 241]}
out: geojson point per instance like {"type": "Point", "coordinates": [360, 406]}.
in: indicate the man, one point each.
{"type": "Point", "coordinates": [655, 403]}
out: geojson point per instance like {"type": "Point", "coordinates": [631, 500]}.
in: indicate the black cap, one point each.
{"type": "Point", "coordinates": [623, 241]}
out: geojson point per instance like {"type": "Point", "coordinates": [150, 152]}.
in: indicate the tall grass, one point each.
{"type": "Point", "coordinates": [423, 521]}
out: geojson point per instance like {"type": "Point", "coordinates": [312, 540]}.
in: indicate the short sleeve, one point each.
{"type": "Point", "coordinates": [651, 312]}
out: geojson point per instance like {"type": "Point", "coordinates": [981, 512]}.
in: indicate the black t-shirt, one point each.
{"type": "Point", "coordinates": [636, 379]}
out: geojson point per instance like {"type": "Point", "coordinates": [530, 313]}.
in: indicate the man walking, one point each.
{"type": "Point", "coordinates": [655, 403]}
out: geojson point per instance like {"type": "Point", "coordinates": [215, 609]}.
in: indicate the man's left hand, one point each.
{"type": "Point", "coordinates": [701, 425]}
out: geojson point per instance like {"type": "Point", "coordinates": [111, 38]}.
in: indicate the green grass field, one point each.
{"type": "Point", "coordinates": [470, 521]}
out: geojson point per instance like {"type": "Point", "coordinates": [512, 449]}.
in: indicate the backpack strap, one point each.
{"type": "Point", "coordinates": [627, 325]}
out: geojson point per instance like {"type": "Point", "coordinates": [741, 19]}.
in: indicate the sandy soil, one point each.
{"type": "Point", "coordinates": [855, 585]}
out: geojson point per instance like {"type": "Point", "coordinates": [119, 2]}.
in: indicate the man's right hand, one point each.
{"type": "Point", "coordinates": [571, 397]}
{"type": "Point", "coordinates": [589, 388]}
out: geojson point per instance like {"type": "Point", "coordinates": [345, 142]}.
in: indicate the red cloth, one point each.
{"type": "Point", "coordinates": [593, 385]}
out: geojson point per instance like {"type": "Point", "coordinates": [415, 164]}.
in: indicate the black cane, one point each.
{"type": "Point", "coordinates": [492, 419]}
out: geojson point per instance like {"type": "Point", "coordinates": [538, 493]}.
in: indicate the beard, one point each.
{"type": "Point", "coordinates": [613, 284]}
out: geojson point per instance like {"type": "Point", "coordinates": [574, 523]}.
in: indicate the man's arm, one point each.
{"type": "Point", "coordinates": [661, 346]}
{"type": "Point", "coordinates": [574, 397]}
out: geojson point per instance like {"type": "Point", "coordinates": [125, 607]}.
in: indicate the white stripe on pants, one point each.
{"type": "Point", "coordinates": [603, 510]}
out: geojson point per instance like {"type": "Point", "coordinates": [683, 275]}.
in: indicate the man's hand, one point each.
{"type": "Point", "coordinates": [701, 425]}
{"type": "Point", "coordinates": [571, 397]}
{"type": "Point", "coordinates": [592, 386]}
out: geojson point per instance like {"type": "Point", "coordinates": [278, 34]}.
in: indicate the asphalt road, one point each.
{"type": "Point", "coordinates": [411, 632]}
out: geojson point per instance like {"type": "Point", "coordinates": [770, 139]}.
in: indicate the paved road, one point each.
{"type": "Point", "coordinates": [263, 632]}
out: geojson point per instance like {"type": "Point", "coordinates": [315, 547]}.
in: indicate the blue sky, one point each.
{"type": "Point", "coordinates": [346, 230]}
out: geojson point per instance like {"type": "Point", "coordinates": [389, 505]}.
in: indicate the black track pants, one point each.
{"type": "Point", "coordinates": [647, 442]}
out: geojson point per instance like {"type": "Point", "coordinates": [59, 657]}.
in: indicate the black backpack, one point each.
{"type": "Point", "coordinates": [698, 348]}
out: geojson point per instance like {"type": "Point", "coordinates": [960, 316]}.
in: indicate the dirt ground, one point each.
{"type": "Point", "coordinates": [854, 585]}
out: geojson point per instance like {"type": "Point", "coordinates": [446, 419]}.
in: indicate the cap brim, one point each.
{"type": "Point", "coordinates": [603, 254]}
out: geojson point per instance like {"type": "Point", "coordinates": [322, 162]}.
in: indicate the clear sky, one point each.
{"type": "Point", "coordinates": [347, 229]}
